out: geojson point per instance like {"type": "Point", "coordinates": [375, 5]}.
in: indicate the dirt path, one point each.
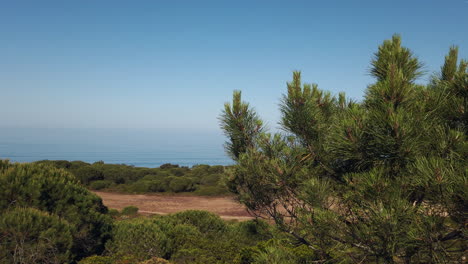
{"type": "Point", "coordinates": [226, 207]}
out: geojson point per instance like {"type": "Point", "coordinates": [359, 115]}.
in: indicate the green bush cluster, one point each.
{"type": "Point", "coordinates": [187, 237]}
{"type": "Point", "coordinates": [201, 179]}
{"type": "Point", "coordinates": [33, 236]}
{"type": "Point", "coordinates": [53, 216]}
{"type": "Point", "coordinates": [129, 210]}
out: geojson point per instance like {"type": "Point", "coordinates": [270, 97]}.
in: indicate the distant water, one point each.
{"type": "Point", "coordinates": [141, 148]}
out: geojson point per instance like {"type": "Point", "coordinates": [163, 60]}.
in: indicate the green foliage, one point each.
{"type": "Point", "coordinates": [240, 124]}
{"type": "Point", "coordinates": [100, 184]}
{"type": "Point", "coordinates": [204, 221]}
{"type": "Point", "coordinates": [129, 179]}
{"type": "Point", "coordinates": [141, 238]}
{"type": "Point", "coordinates": [383, 180]}
{"type": "Point", "coordinates": [129, 210]}
{"type": "Point", "coordinates": [392, 56]}
{"type": "Point", "coordinates": [28, 235]}
{"type": "Point", "coordinates": [87, 174]}
{"type": "Point", "coordinates": [185, 237]}
{"type": "Point", "coordinates": [210, 179]}
{"type": "Point", "coordinates": [180, 184]}
{"type": "Point", "coordinates": [58, 193]}
{"type": "Point", "coordinates": [113, 212]}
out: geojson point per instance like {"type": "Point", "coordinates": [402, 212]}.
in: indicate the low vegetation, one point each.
{"type": "Point", "coordinates": [200, 179]}
{"type": "Point", "coordinates": [47, 216]}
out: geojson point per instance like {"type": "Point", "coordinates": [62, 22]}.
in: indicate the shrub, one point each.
{"type": "Point", "coordinates": [158, 186]}
{"type": "Point", "coordinates": [168, 166]}
{"type": "Point", "coordinates": [204, 221]}
{"type": "Point", "coordinates": [210, 179]}
{"type": "Point", "coordinates": [178, 171]}
{"type": "Point", "coordinates": [150, 177]}
{"type": "Point", "coordinates": [113, 212]}
{"type": "Point", "coordinates": [218, 169]}
{"type": "Point", "coordinates": [181, 184]}
{"type": "Point", "coordinates": [200, 170]}
{"type": "Point", "coordinates": [58, 193]}
{"type": "Point", "coordinates": [32, 236]}
{"type": "Point", "coordinates": [100, 184]}
{"type": "Point", "coordinates": [181, 236]}
{"type": "Point", "coordinates": [138, 187]}
{"type": "Point", "coordinates": [88, 174]}
{"type": "Point", "coordinates": [130, 210]}
{"type": "Point", "coordinates": [141, 238]}
{"type": "Point", "coordinates": [253, 230]}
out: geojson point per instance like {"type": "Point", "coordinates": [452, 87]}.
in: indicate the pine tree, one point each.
{"type": "Point", "coordinates": [383, 180]}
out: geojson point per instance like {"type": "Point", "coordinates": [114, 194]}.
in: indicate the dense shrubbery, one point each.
{"type": "Point", "coordinates": [130, 210]}
{"type": "Point", "coordinates": [189, 237]}
{"type": "Point", "coordinates": [60, 203]}
{"type": "Point", "coordinates": [201, 179]}
{"type": "Point", "coordinates": [378, 181]}
{"type": "Point", "coordinates": [32, 236]}
{"type": "Point", "coordinates": [48, 217]}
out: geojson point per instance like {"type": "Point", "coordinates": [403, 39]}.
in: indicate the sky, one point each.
{"type": "Point", "coordinates": [171, 65]}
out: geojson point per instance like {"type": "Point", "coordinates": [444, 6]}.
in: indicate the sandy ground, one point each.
{"type": "Point", "coordinates": [226, 207]}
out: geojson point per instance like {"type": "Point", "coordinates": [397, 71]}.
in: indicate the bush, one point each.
{"type": "Point", "coordinates": [157, 186]}
{"type": "Point", "coordinates": [88, 174]}
{"type": "Point", "coordinates": [150, 177]}
{"type": "Point", "coordinates": [100, 184]}
{"type": "Point", "coordinates": [33, 236]}
{"type": "Point", "coordinates": [138, 187]}
{"type": "Point", "coordinates": [59, 193]}
{"type": "Point", "coordinates": [141, 238]}
{"type": "Point", "coordinates": [178, 171]}
{"type": "Point", "coordinates": [113, 212]}
{"type": "Point", "coordinates": [210, 179]}
{"type": "Point", "coordinates": [181, 236]}
{"type": "Point", "coordinates": [253, 230]}
{"type": "Point", "coordinates": [168, 166]}
{"type": "Point", "coordinates": [130, 210]}
{"type": "Point", "coordinates": [181, 184]}
{"type": "Point", "coordinates": [204, 221]}
{"type": "Point", "coordinates": [130, 179]}
{"type": "Point", "coordinates": [200, 170]}
{"type": "Point", "coordinates": [218, 169]}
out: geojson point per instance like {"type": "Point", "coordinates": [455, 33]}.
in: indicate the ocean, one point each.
{"type": "Point", "coordinates": [141, 148]}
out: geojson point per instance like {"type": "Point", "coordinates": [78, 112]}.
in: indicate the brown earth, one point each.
{"type": "Point", "coordinates": [226, 207]}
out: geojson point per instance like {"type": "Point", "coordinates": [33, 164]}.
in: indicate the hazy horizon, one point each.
{"type": "Point", "coordinates": [151, 73]}
{"type": "Point", "coordinates": [143, 148]}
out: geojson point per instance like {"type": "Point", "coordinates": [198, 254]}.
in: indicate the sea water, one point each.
{"type": "Point", "coordinates": [141, 148]}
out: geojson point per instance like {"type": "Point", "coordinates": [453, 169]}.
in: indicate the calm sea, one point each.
{"type": "Point", "coordinates": [142, 148]}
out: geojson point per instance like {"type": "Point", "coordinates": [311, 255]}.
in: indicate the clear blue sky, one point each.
{"type": "Point", "coordinates": [172, 64]}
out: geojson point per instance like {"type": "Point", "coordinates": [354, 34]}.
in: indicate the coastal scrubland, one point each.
{"type": "Point", "coordinates": [167, 178]}
{"type": "Point", "coordinates": [382, 180]}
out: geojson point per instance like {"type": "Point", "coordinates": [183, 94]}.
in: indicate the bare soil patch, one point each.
{"type": "Point", "coordinates": [226, 207]}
